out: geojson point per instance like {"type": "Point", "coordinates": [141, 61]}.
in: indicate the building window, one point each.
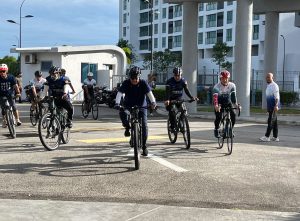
{"type": "Point", "coordinates": [254, 51]}
{"type": "Point", "coordinates": [124, 4]}
{"type": "Point", "coordinates": [143, 5]}
{"type": "Point", "coordinates": [211, 20]}
{"type": "Point", "coordinates": [124, 18]}
{"type": "Point", "coordinates": [201, 6]}
{"type": "Point", "coordinates": [178, 26]}
{"type": "Point", "coordinates": [164, 27]}
{"type": "Point", "coordinates": [200, 22]}
{"type": "Point", "coordinates": [155, 28]}
{"type": "Point", "coordinates": [177, 41]}
{"type": "Point", "coordinates": [144, 17]}
{"type": "Point", "coordinates": [200, 38]}
{"type": "Point", "coordinates": [144, 45]}
{"type": "Point", "coordinates": [211, 37]}
{"type": "Point", "coordinates": [229, 2]}
{"type": "Point", "coordinates": [46, 65]}
{"type": "Point", "coordinates": [178, 11]}
{"type": "Point", "coordinates": [229, 17]}
{"type": "Point", "coordinates": [255, 32]}
{"type": "Point", "coordinates": [124, 31]}
{"type": "Point", "coordinates": [155, 42]}
{"type": "Point", "coordinates": [170, 12]}
{"type": "Point", "coordinates": [86, 68]}
{"type": "Point", "coordinates": [156, 14]}
{"type": "Point", "coordinates": [144, 31]}
{"type": "Point", "coordinates": [164, 12]}
{"type": "Point", "coordinates": [211, 6]}
{"type": "Point", "coordinates": [156, 2]}
{"type": "Point", "coordinates": [229, 35]}
{"type": "Point", "coordinates": [163, 42]}
{"type": "Point", "coordinates": [255, 17]}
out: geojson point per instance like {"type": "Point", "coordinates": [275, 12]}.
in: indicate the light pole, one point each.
{"type": "Point", "coordinates": [283, 61]}
{"type": "Point", "coordinates": [151, 25]}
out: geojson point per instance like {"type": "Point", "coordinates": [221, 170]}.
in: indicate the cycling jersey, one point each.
{"type": "Point", "coordinates": [224, 94]}
{"type": "Point", "coordinates": [38, 84]}
{"type": "Point", "coordinates": [175, 89]}
{"type": "Point", "coordinates": [6, 85]}
{"type": "Point", "coordinates": [56, 87]}
{"type": "Point", "coordinates": [89, 83]}
{"type": "Point", "coordinates": [272, 93]}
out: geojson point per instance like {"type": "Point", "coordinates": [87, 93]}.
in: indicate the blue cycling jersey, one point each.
{"type": "Point", "coordinates": [6, 85]}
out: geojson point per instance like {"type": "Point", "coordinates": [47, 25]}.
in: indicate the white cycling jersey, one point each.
{"type": "Point", "coordinates": [38, 84]}
{"type": "Point", "coordinates": [89, 82]}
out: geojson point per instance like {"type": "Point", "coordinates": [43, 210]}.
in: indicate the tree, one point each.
{"type": "Point", "coordinates": [220, 52]}
{"type": "Point", "coordinates": [163, 60]}
{"type": "Point", "coordinates": [128, 49]}
{"type": "Point", "coordinates": [12, 63]}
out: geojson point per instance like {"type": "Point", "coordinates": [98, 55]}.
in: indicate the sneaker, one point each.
{"type": "Point", "coordinates": [145, 151]}
{"type": "Point", "coordinates": [265, 139]}
{"type": "Point", "coordinates": [127, 132]}
{"type": "Point", "coordinates": [19, 123]}
{"type": "Point", "coordinates": [216, 133]}
{"type": "Point", "coordinates": [4, 124]}
{"type": "Point", "coordinates": [276, 139]}
{"type": "Point", "coordinates": [69, 123]}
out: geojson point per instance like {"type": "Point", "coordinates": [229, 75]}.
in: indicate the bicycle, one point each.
{"type": "Point", "coordinates": [52, 127]}
{"type": "Point", "coordinates": [91, 105]}
{"type": "Point", "coordinates": [36, 112]}
{"type": "Point", "coordinates": [225, 128]}
{"type": "Point", "coordinates": [181, 123]}
{"type": "Point", "coordinates": [10, 117]}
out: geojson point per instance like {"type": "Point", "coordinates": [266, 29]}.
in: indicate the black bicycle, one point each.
{"type": "Point", "coordinates": [225, 128]}
{"type": "Point", "coordinates": [52, 127]}
{"type": "Point", "coordinates": [90, 105]}
{"type": "Point", "coordinates": [181, 124]}
{"type": "Point", "coordinates": [10, 117]}
{"type": "Point", "coordinates": [36, 112]}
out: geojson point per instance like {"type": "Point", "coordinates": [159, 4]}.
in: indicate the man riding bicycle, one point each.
{"type": "Point", "coordinates": [57, 86]}
{"type": "Point", "coordinates": [224, 95]}
{"type": "Point", "coordinates": [174, 91]}
{"type": "Point", "coordinates": [8, 85]}
{"type": "Point", "coordinates": [88, 87]}
{"type": "Point", "coordinates": [36, 87]}
{"type": "Point", "coordinates": [135, 90]}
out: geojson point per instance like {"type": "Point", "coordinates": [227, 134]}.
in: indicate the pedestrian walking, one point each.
{"type": "Point", "coordinates": [273, 102]}
{"type": "Point", "coordinates": [20, 84]}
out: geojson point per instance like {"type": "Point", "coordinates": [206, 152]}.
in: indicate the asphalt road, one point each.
{"type": "Point", "coordinates": [97, 166]}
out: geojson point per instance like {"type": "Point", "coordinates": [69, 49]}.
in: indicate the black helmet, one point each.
{"type": "Point", "coordinates": [38, 74]}
{"type": "Point", "coordinates": [177, 70]}
{"type": "Point", "coordinates": [54, 69]}
{"type": "Point", "coordinates": [135, 72]}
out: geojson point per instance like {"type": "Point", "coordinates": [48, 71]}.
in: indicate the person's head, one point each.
{"type": "Point", "coordinates": [63, 72]}
{"type": "Point", "coordinates": [224, 77]}
{"type": "Point", "coordinates": [3, 70]}
{"type": "Point", "coordinates": [90, 75]}
{"type": "Point", "coordinates": [134, 75]}
{"type": "Point", "coordinates": [177, 73]}
{"type": "Point", "coordinates": [38, 74]}
{"type": "Point", "coordinates": [19, 74]}
{"type": "Point", "coordinates": [269, 78]}
{"type": "Point", "coordinates": [54, 72]}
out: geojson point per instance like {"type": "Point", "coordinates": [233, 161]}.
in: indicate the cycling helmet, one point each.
{"type": "Point", "coordinates": [38, 74]}
{"type": "Point", "coordinates": [135, 72]}
{"type": "Point", "coordinates": [3, 67]}
{"type": "Point", "coordinates": [90, 74]}
{"type": "Point", "coordinates": [177, 71]}
{"type": "Point", "coordinates": [54, 70]}
{"type": "Point", "coordinates": [225, 74]}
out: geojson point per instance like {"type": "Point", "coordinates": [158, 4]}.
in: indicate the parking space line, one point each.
{"type": "Point", "coordinates": [118, 139]}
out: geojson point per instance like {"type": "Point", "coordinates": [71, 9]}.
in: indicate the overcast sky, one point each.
{"type": "Point", "coordinates": [59, 22]}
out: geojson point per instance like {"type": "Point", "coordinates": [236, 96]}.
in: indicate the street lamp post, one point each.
{"type": "Point", "coordinates": [283, 62]}
{"type": "Point", "coordinates": [151, 39]}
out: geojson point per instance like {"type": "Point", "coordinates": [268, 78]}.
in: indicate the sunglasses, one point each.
{"type": "Point", "coordinates": [2, 71]}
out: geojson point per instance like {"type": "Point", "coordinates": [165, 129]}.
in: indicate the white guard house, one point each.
{"type": "Point", "coordinates": [107, 62]}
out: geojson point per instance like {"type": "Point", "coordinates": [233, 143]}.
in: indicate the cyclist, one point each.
{"type": "Point", "coordinates": [8, 85]}
{"type": "Point", "coordinates": [224, 95]}
{"type": "Point", "coordinates": [57, 86]}
{"type": "Point", "coordinates": [37, 86]}
{"type": "Point", "coordinates": [135, 90]}
{"type": "Point", "coordinates": [174, 91]}
{"type": "Point", "coordinates": [88, 87]}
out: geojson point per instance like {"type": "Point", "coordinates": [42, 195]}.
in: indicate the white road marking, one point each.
{"type": "Point", "coordinates": [166, 163]}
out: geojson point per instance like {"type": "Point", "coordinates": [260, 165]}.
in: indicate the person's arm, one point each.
{"type": "Point", "coordinates": [118, 98]}
{"type": "Point", "coordinates": [187, 91]}
{"type": "Point", "coordinates": [17, 90]}
{"type": "Point", "coordinates": [276, 95]}
{"type": "Point", "coordinates": [233, 95]}
{"type": "Point", "coordinates": [216, 99]}
{"type": "Point", "coordinates": [73, 90]}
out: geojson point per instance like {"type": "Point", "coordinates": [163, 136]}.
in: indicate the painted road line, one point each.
{"type": "Point", "coordinates": [96, 129]}
{"type": "Point", "coordinates": [166, 163]}
{"type": "Point", "coordinates": [118, 139]}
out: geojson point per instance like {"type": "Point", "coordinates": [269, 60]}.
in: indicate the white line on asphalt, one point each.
{"type": "Point", "coordinates": [132, 218]}
{"type": "Point", "coordinates": [166, 163]}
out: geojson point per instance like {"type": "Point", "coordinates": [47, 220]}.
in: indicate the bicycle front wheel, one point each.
{"type": "Point", "coordinates": [33, 115]}
{"type": "Point", "coordinates": [65, 131]}
{"type": "Point", "coordinates": [84, 109]}
{"type": "Point", "coordinates": [135, 138]}
{"type": "Point", "coordinates": [185, 130]}
{"type": "Point", "coordinates": [221, 135]}
{"type": "Point", "coordinates": [229, 136]}
{"type": "Point", "coordinates": [95, 110]}
{"type": "Point", "coordinates": [49, 131]}
{"type": "Point", "coordinates": [172, 133]}
{"type": "Point", "coordinates": [10, 119]}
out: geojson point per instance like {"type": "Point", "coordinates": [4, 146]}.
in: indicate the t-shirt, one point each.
{"type": "Point", "coordinates": [272, 93]}
{"type": "Point", "coordinates": [56, 87]}
{"type": "Point", "coordinates": [135, 94]}
{"type": "Point", "coordinates": [38, 84]}
{"type": "Point", "coordinates": [89, 83]}
{"type": "Point", "coordinates": [226, 93]}
{"type": "Point", "coordinates": [175, 88]}
{"type": "Point", "coordinates": [6, 85]}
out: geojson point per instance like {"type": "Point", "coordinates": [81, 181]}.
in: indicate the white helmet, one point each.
{"type": "Point", "coordinates": [90, 74]}
{"type": "Point", "coordinates": [3, 67]}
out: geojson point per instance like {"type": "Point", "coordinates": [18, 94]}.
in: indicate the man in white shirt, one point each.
{"type": "Point", "coordinates": [272, 96]}
{"type": "Point", "coordinates": [88, 87]}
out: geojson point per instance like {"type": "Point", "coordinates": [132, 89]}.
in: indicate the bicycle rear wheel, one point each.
{"type": "Point", "coordinates": [185, 130]}
{"type": "Point", "coordinates": [172, 133]}
{"type": "Point", "coordinates": [10, 119]}
{"type": "Point", "coordinates": [65, 131]}
{"type": "Point", "coordinates": [229, 136]}
{"type": "Point", "coordinates": [33, 115]}
{"type": "Point", "coordinates": [221, 135]}
{"type": "Point", "coordinates": [135, 138]}
{"type": "Point", "coordinates": [95, 110]}
{"type": "Point", "coordinates": [49, 131]}
{"type": "Point", "coordinates": [84, 109]}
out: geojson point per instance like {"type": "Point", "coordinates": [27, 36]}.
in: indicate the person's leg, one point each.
{"type": "Point", "coordinates": [12, 103]}
{"type": "Point", "coordinates": [124, 116]}
{"type": "Point", "coordinates": [218, 118]}
{"type": "Point", "coordinates": [275, 129]}
{"type": "Point", "coordinates": [269, 128]}
{"type": "Point", "coordinates": [233, 117]}
{"type": "Point", "coordinates": [143, 118]}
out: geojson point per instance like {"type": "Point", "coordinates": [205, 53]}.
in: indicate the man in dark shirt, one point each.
{"type": "Point", "coordinates": [57, 86]}
{"type": "Point", "coordinates": [8, 86]}
{"type": "Point", "coordinates": [135, 90]}
{"type": "Point", "coordinates": [174, 91]}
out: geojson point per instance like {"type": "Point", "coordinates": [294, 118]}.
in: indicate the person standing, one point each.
{"type": "Point", "coordinates": [20, 85]}
{"type": "Point", "coordinates": [273, 98]}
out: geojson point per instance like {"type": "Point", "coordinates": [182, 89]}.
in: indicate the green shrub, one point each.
{"type": "Point", "coordinates": [159, 94]}
{"type": "Point", "coordinates": [288, 98]}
